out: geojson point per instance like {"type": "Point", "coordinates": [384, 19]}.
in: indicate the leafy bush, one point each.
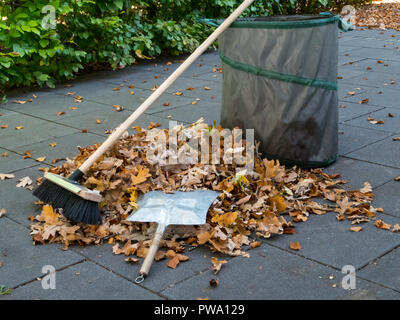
{"type": "Point", "coordinates": [108, 33]}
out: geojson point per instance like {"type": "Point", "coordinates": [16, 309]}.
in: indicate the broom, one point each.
{"type": "Point", "coordinates": [80, 204]}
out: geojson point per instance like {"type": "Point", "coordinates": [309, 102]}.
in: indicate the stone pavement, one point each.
{"type": "Point", "coordinates": [369, 67]}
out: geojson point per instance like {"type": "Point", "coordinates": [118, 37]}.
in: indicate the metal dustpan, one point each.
{"type": "Point", "coordinates": [179, 208]}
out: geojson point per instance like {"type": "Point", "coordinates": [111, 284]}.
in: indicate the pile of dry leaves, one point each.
{"type": "Point", "coordinates": [384, 15]}
{"type": "Point", "coordinates": [268, 201]}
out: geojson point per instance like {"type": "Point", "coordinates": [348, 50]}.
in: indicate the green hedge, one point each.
{"type": "Point", "coordinates": [109, 33]}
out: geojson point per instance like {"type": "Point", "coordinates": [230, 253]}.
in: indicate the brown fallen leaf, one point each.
{"type": "Point", "coordinates": [294, 245]}
{"type": "Point", "coordinates": [27, 154]}
{"type": "Point", "coordinates": [203, 237]}
{"type": "Point", "coordinates": [4, 126]}
{"type": "Point", "coordinates": [53, 144]}
{"type": "Point", "coordinates": [132, 260]}
{"type": "Point", "coordinates": [19, 101]}
{"type": "Point", "coordinates": [255, 244]}
{"type": "Point", "coordinates": [207, 88]}
{"type": "Point", "coordinates": [178, 93]}
{"type": "Point", "coordinates": [60, 113]}
{"type": "Point", "coordinates": [217, 264]}
{"type": "Point", "coordinates": [19, 128]}
{"type": "Point", "coordinates": [5, 154]}
{"type": "Point", "coordinates": [366, 100]}
{"type": "Point", "coordinates": [118, 108]}
{"type": "Point", "coordinates": [23, 182]}
{"type": "Point", "coordinates": [356, 229]}
{"type": "Point", "coordinates": [6, 176]}
{"type": "Point", "coordinates": [173, 263]}
{"type": "Point", "coordinates": [382, 225]}
{"type": "Point", "coordinates": [397, 178]}
{"type": "Point", "coordinates": [2, 212]}
{"type": "Point", "coordinates": [40, 159]}
{"type": "Point", "coordinates": [396, 139]}
{"type": "Point", "coordinates": [73, 108]}
{"type": "Point", "coordinates": [214, 282]}
{"type": "Point", "coordinates": [98, 121]}
{"type": "Point", "coordinates": [160, 255]}
{"type": "Point", "coordinates": [396, 228]}
{"type": "Point", "coordinates": [367, 188]}
{"type": "Point", "coordinates": [116, 89]}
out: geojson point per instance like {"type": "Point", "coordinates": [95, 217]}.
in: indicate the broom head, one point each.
{"type": "Point", "coordinates": [78, 203]}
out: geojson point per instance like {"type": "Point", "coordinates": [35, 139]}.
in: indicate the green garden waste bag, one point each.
{"type": "Point", "coordinates": [280, 79]}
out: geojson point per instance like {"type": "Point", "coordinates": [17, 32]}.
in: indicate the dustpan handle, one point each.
{"type": "Point", "coordinates": [156, 94]}
{"type": "Point", "coordinates": [148, 261]}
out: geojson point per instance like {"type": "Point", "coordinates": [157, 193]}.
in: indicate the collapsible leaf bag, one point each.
{"type": "Point", "coordinates": [280, 78]}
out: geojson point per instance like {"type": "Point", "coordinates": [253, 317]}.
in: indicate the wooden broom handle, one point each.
{"type": "Point", "coordinates": [156, 94]}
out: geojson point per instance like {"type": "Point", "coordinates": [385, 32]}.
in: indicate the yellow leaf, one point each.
{"type": "Point", "coordinates": [294, 245]}
{"type": "Point", "coordinates": [40, 159]}
{"type": "Point", "coordinates": [225, 220]}
{"type": "Point", "coordinates": [141, 176]}
{"type": "Point", "coordinates": [49, 215]}
{"type": "Point", "coordinates": [278, 202]}
{"type": "Point", "coordinates": [356, 229]}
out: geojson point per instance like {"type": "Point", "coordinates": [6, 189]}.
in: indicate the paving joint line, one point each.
{"type": "Point", "coordinates": [57, 270]}
{"type": "Point", "coordinates": [121, 276]}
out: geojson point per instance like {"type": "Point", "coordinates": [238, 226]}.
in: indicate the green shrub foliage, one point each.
{"type": "Point", "coordinates": [37, 49]}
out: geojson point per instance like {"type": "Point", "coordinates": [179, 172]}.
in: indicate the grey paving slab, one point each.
{"type": "Point", "coordinates": [83, 281]}
{"type": "Point", "coordinates": [19, 201]}
{"type": "Point", "coordinates": [66, 146]}
{"type": "Point", "coordinates": [347, 90]}
{"type": "Point", "coordinates": [391, 123]}
{"type": "Point", "coordinates": [210, 76]}
{"type": "Point", "coordinates": [381, 79]}
{"type": "Point", "coordinates": [347, 58]}
{"type": "Point", "coordinates": [354, 110]}
{"type": "Point", "coordinates": [161, 276]}
{"type": "Point", "coordinates": [372, 65]}
{"type": "Point", "coordinates": [386, 96]}
{"type": "Point", "coordinates": [49, 106]}
{"type": "Point", "coordinates": [353, 138]}
{"type": "Point", "coordinates": [5, 113]}
{"type": "Point", "coordinates": [168, 101]}
{"type": "Point", "coordinates": [110, 119]}
{"type": "Point", "coordinates": [387, 197]}
{"type": "Point", "coordinates": [330, 242]}
{"type": "Point", "coordinates": [35, 130]}
{"type": "Point", "coordinates": [210, 111]}
{"type": "Point", "coordinates": [373, 53]}
{"type": "Point", "coordinates": [26, 93]}
{"type": "Point", "coordinates": [13, 161]}
{"type": "Point", "coordinates": [357, 172]}
{"type": "Point", "coordinates": [22, 261]}
{"type": "Point", "coordinates": [271, 273]}
{"type": "Point", "coordinates": [347, 73]}
{"type": "Point", "coordinates": [386, 152]}
{"type": "Point", "coordinates": [376, 33]}
{"type": "Point", "coordinates": [377, 43]}
{"type": "Point", "coordinates": [346, 46]}
{"type": "Point", "coordinates": [384, 270]}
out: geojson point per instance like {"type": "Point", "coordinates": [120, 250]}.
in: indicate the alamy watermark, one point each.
{"type": "Point", "coordinates": [349, 280]}
{"type": "Point", "coordinates": [206, 145]}
{"type": "Point", "coordinates": [49, 280]}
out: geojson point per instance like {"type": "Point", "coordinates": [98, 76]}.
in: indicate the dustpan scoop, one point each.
{"type": "Point", "coordinates": [179, 208]}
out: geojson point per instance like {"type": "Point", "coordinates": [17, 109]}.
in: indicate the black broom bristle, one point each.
{"type": "Point", "coordinates": [74, 207]}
